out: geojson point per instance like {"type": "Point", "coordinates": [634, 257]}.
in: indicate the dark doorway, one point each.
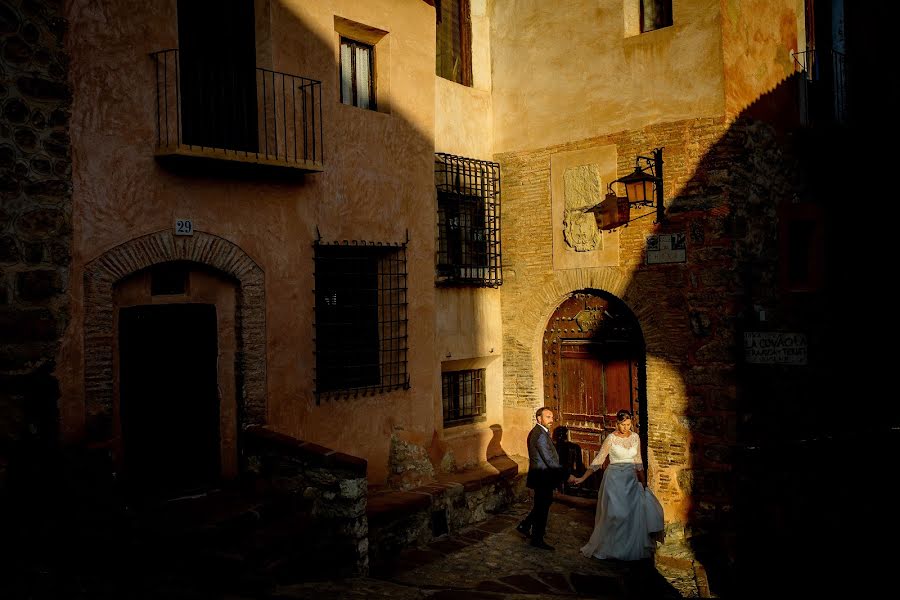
{"type": "Point", "coordinates": [168, 398]}
{"type": "Point", "coordinates": [217, 48]}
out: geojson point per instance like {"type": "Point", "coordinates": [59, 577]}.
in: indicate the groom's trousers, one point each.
{"type": "Point", "coordinates": [537, 518]}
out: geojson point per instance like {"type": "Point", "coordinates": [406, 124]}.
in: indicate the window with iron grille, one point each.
{"type": "Point", "coordinates": [361, 322]}
{"type": "Point", "coordinates": [454, 41]}
{"type": "Point", "coordinates": [462, 393]}
{"type": "Point", "coordinates": [357, 74]}
{"type": "Point", "coordinates": [468, 236]}
{"type": "Point", "coordinates": [655, 14]}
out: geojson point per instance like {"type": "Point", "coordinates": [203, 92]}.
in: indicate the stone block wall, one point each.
{"type": "Point", "coordinates": [324, 490]}
{"type": "Point", "coordinates": [35, 224]}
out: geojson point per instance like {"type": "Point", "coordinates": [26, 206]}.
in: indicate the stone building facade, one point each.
{"type": "Point", "coordinates": [35, 225]}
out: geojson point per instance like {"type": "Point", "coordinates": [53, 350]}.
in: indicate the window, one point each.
{"type": "Point", "coordinates": [462, 393]}
{"type": "Point", "coordinates": [655, 14]}
{"type": "Point", "coordinates": [802, 247]}
{"type": "Point", "coordinates": [454, 41]}
{"type": "Point", "coordinates": [468, 242]}
{"type": "Point", "coordinates": [169, 279]}
{"type": "Point", "coordinates": [360, 317]}
{"type": "Point", "coordinates": [357, 74]}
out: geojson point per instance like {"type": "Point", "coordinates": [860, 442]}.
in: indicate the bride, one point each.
{"type": "Point", "coordinates": [629, 518]}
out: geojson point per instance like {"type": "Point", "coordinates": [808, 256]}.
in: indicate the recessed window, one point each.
{"type": "Point", "coordinates": [462, 393]}
{"type": "Point", "coordinates": [169, 279]}
{"type": "Point", "coordinates": [655, 14]}
{"type": "Point", "coordinates": [454, 41]}
{"type": "Point", "coordinates": [357, 74]}
{"type": "Point", "coordinates": [360, 317]}
{"type": "Point", "coordinates": [468, 241]}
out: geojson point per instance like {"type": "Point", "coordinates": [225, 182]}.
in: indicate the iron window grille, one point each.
{"type": "Point", "coordinates": [357, 74]}
{"type": "Point", "coordinates": [462, 393]}
{"type": "Point", "coordinates": [468, 223]}
{"type": "Point", "coordinates": [360, 317]}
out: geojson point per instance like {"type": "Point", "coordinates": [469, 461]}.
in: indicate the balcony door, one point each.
{"type": "Point", "coordinates": [217, 49]}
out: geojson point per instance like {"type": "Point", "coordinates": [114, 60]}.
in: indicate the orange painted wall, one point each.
{"type": "Point", "coordinates": [377, 186]}
{"type": "Point", "coordinates": [758, 37]}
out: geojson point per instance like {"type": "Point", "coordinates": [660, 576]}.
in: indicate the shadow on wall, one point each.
{"type": "Point", "coordinates": [762, 215]}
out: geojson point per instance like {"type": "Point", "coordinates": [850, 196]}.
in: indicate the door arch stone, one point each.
{"type": "Point", "coordinates": [103, 272]}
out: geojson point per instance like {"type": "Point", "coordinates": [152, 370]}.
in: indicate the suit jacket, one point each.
{"type": "Point", "coordinates": [544, 470]}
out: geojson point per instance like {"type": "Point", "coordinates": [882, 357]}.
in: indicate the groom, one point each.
{"type": "Point", "coordinates": [544, 474]}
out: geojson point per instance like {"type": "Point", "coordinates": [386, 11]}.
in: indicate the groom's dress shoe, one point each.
{"type": "Point", "coordinates": [523, 529]}
{"type": "Point", "coordinates": [541, 544]}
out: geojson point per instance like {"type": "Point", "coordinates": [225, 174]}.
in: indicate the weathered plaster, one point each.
{"type": "Point", "coordinates": [598, 81]}
{"type": "Point", "coordinates": [758, 37]}
{"type": "Point", "coordinates": [377, 186]}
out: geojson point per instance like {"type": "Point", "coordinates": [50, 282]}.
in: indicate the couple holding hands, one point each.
{"type": "Point", "coordinates": [629, 518]}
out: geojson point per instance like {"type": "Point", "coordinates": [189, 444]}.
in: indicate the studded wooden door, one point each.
{"type": "Point", "coordinates": [593, 356]}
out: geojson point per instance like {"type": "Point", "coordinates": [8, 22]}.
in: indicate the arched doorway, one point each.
{"type": "Point", "coordinates": [594, 366]}
{"type": "Point", "coordinates": [139, 279]}
{"type": "Point", "coordinates": [174, 369]}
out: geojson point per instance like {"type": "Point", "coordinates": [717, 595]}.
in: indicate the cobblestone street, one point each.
{"type": "Point", "coordinates": [491, 560]}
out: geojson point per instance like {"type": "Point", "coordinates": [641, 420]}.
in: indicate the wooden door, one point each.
{"type": "Point", "coordinates": [169, 397]}
{"type": "Point", "coordinates": [593, 356]}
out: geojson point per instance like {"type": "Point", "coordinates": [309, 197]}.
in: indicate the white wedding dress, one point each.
{"type": "Point", "coordinates": [629, 518]}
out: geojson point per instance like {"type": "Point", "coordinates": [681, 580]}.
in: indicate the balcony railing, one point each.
{"type": "Point", "coordinates": [823, 86]}
{"type": "Point", "coordinates": [244, 114]}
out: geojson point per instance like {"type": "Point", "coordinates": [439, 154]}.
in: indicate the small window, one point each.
{"type": "Point", "coordinates": [169, 279]}
{"type": "Point", "coordinates": [454, 41]}
{"type": "Point", "coordinates": [357, 74]}
{"type": "Point", "coordinates": [462, 393]}
{"type": "Point", "coordinates": [468, 241]}
{"type": "Point", "coordinates": [360, 317]}
{"type": "Point", "coordinates": [655, 14]}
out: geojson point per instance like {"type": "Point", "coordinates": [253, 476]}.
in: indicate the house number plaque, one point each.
{"type": "Point", "coordinates": [184, 227]}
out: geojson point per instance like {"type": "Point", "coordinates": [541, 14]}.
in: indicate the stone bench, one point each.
{"type": "Point", "coordinates": [398, 519]}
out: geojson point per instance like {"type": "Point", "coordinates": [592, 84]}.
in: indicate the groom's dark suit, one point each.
{"type": "Point", "coordinates": [544, 474]}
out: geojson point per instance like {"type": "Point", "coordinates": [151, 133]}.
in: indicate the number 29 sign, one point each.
{"type": "Point", "coordinates": [184, 227]}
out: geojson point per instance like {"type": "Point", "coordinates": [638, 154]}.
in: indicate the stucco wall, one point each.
{"type": "Point", "coordinates": [468, 334]}
{"type": "Point", "coordinates": [464, 118]}
{"type": "Point", "coordinates": [377, 186]}
{"type": "Point", "coordinates": [758, 37]}
{"type": "Point", "coordinates": [564, 71]}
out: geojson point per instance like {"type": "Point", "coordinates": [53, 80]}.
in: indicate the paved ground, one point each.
{"type": "Point", "coordinates": [491, 560]}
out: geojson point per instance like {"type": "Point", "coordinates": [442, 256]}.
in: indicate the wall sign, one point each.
{"type": "Point", "coordinates": [666, 248]}
{"type": "Point", "coordinates": [184, 227]}
{"type": "Point", "coordinates": [774, 348]}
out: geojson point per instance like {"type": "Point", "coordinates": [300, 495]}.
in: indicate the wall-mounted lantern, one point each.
{"type": "Point", "coordinates": [643, 187]}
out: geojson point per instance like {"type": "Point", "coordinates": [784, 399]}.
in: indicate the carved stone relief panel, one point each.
{"type": "Point", "coordinates": [577, 182]}
{"type": "Point", "coordinates": [582, 186]}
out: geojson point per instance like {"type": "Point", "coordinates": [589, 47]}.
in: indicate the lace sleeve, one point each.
{"type": "Point", "coordinates": [638, 459]}
{"type": "Point", "coordinates": [601, 456]}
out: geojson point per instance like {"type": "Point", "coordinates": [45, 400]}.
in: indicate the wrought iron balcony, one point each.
{"type": "Point", "coordinates": [249, 115]}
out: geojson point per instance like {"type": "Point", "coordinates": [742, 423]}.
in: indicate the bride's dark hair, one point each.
{"type": "Point", "coordinates": [623, 414]}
